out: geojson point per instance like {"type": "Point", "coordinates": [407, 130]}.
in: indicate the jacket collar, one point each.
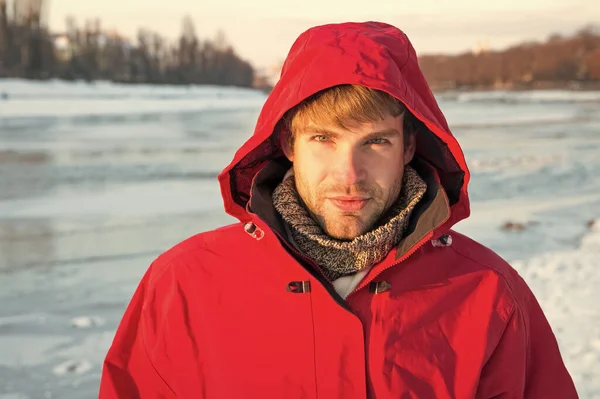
{"type": "Point", "coordinates": [431, 212]}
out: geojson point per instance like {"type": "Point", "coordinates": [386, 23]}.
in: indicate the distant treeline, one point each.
{"type": "Point", "coordinates": [29, 50]}
{"type": "Point", "coordinates": [560, 62]}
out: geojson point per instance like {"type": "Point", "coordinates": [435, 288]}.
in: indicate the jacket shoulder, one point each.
{"type": "Point", "coordinates": [482, 258]}
{"type": "Point", "coordinates": [196, 246]}
{"type": "Point", "coordinates": [473, 250]}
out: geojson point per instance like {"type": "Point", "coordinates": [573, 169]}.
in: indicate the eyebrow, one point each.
{"type": "Point", "coordinates": [385, 133]}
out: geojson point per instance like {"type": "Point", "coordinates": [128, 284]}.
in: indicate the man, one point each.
{"type": "Point", "coordinates": [343, 278]}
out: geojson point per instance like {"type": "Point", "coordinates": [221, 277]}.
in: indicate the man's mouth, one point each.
{"type": "Point", "coordinates": [349, 203]}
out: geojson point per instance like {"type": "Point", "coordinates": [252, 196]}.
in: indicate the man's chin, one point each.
{"type": "Point", "coordinates": [345, 232]}
{"type": "Point", "coordinates": [344, 226]}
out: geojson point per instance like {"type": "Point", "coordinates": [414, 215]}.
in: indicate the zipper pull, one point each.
{"type": "Point", "coordinates": [379, 287]}
{"type": "Point", "coordinates": [254, 231]}
{"type": "Point", "coordinates": [445, 240]}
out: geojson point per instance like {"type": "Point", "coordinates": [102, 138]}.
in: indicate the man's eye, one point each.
{"type": "Point", "coordinates": [378, 141]}
{"type": "Point", "coordinates": [321, 138]}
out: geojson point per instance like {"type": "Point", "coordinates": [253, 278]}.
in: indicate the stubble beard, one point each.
{"type": "Point", "coordinates": [341, 225]}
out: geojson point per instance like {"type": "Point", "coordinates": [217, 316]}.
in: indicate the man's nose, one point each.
{"type": "Point", "coordinates": [348, 167]}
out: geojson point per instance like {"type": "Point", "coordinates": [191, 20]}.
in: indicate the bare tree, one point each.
{"type": "Point", "coordinates": [28, 49]}
{"type": "Point", "coordinates": [4, 37]}
{"type": "Point", "coordinates": [560, 61]}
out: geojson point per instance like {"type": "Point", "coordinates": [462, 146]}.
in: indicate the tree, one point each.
{"type": "Point", "coordinates": [4, 37]}
{"type": "Point", "coordinates": [28, 49]}
{"type": "Point", "coordinates": [559, 60]}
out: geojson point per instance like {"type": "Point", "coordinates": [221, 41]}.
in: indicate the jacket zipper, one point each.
{"type": "Point", "coordinates": [411, 251]}
{"type": "Point", "coordinates": [329, 286]}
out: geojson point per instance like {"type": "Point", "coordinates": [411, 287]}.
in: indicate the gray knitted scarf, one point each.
{"type": "Point", "coordinates": [338, 258]}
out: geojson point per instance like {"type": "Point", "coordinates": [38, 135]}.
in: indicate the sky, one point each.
{"type": "Point", "coordinates": [262, 31]}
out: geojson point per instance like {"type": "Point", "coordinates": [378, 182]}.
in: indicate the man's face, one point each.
{"type": "Point", "coordinates": [348, 178]}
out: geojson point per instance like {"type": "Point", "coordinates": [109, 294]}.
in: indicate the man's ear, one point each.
{"type": "Point", "coordinates": [285, 140]}
{"type": "Point", "coordinates": [410, 147]}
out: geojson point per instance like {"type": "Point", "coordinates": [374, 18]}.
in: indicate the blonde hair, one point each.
{"type": "Point", "coordinates": [347, 104]}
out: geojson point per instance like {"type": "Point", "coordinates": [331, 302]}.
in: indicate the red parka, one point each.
{"type": "Point", "coordinates": [238, 313]}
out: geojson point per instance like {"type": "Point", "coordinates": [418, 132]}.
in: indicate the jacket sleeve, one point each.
{"type": "Point", "coordinates": [526, 363]}
{"type": "Point", "coordinates": [128, 371]}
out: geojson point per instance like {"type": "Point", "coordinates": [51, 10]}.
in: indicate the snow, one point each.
{"type": "Point", "coordinates": [13, 396]}
{"type": "Point", "coordinates": [59, 99]}
{"type": "Point", "coordinates": [569, 305]}
{"type": "Point", "coordinates": [28, 350]}
{"type": "Point", "coordinates": [72, 366]}
{"type": "Point", "coordinates": [87, 321]}
{"type": "Point", "coordinates": [121, 200]}
{"type": "Point", "coordinates": [539, 96]}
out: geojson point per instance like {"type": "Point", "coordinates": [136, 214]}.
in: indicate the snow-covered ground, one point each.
{"type": "Point", "coordinates": [99, 179]}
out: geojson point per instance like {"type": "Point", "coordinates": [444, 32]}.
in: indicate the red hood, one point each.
{"type": "Point", "coordinates": [370, 54]}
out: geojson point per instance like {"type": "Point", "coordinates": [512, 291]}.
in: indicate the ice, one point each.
{"type": "Point", "coordinates": [534, 96]}
{"type": "Point", "coordinates": [569, 306]}
{"type": "Point", "coordinates": [72, 367]}
{"type": "Point", "coordinates": [24, 318]}
{"type": "Point", "coordinates": [50, 89]}
{"type": "Point", "coordinates": [98, 179]}
{"type": "Point", "coordinates": [131, 200]}
{"type": "Point", "coordinates": [481, 115]}
{"type": "Point", "coordinates": [93, 107]}
{"type": "Point", "coordinates": [522, 163]}
{"type": "Point", "coordinates": [28, 349]}
{"type": "Point", "coordinates": [592, 241]}
{"type": "Point", "coordinates": [87, 322]}
{"type": "Point", "coordinates": [56, 99]}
